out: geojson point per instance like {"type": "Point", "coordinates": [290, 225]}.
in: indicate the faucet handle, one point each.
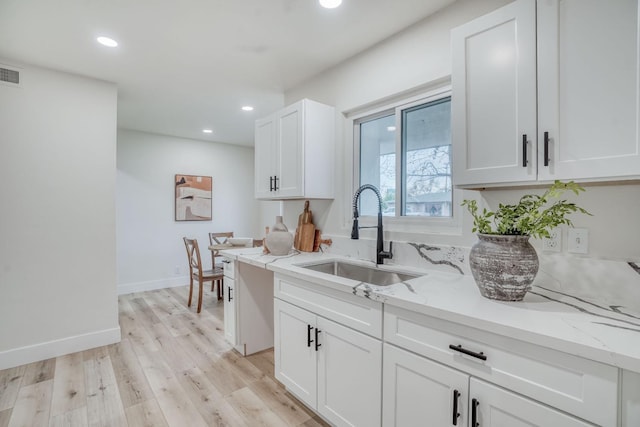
{"type": "Point", "coordinates": [385, 254]}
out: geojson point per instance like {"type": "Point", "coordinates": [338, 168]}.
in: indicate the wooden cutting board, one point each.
{"type": "Point", "coordinates": [307, 237]}
{"type": "Point", "coordinates": [302, 241]}
{"type": "Point", "coordinates": [296, 238]}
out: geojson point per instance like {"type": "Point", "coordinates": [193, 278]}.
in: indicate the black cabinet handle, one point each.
{"type": "Point", "coordinates": [271, 183]}
{"type": "Point", "coordinates": [229, 289]}
{"type": "Point", "coordinates": [546, 148]}
{"type": "Point", "coordinates": [459, 348]}
{"type": "Point", "coordinates": [474, 413]}
{"type": "Point", "coordinates": [317, 342]}
{"type": "Point", "coordinates": [524, 151]}
{"type": "Point", "coordinates": [276, 180]}
{"type": "Point", "coordinates": [309, 340]}
{"type": "Point", "coordinates": [456, 396]}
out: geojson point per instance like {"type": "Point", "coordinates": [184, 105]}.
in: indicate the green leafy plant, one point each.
{"type": "Point", "coordinates": [532, 216]}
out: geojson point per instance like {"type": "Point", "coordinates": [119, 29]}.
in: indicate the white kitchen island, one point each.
{"type": "Point", "coordinates": [248, 303]}
{"type": "Point", "coordinates": [248, 297]}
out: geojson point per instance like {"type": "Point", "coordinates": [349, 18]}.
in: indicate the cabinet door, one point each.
{"type": "Point", "coordinates": [266, 151]}
{"type": "Point", "coordinates": [588, 88]}
{"type": "Point", "coordinates": [229, 311]}
{"type": "Point", "coordinates": [295, 355]}
{"type": "Point", "coordinates": [497, 407]}
{"type": "Point", "coordinates": [417, 389]}
{"type": "Point", "coordinates": [630, 398]}
{"type": "Point", "coordinates": [291, 145]}
{"type": "Point", "coordinates": [494, 97]}
{"type": "Point", "coordinates": [349, 376]}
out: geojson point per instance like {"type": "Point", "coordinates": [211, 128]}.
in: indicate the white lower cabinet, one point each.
{"type": "Point", "coordinates": [417, 389]}
{"type": "Point", "coordinates": [229, 310]}
{"type": "Point", "coordinates": [229, 285]}
{"type": "Point", "coordinates": [500, 381]}
{"type": "Point", "coordinates": [349, 376]}
{"type": "Point", "coordinates": [333, 369]}
{"type": "Point", "coordinates": [336, 354]}
{"type": "Point", "coordinates": [492, 406]}
{"type": "Point", "coordinates": [296, 358]}
{"type": "Point", "coordinates": [248, 307]}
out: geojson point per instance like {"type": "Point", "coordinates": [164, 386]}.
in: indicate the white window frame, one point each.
{"type": "Point", "coordinates": [401, 224]}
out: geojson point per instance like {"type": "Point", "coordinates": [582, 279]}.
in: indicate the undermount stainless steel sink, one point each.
{"type": "Point", "coordinates": [361, 273]}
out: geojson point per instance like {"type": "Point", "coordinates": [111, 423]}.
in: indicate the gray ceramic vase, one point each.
{"type": "Point", "coordinates": [503, 266]}
{"type": "Point", "coordinates": [279, 240]}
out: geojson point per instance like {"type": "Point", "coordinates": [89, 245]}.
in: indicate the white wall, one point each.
{"type": "Point", "coordinates": [149, 240]}
{"type": "Point", "coordinates": [57, 216]}
{"type": "Point", "coordinates": [412, 59]}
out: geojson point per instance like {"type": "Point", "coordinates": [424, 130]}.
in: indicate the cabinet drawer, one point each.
{"type": "Point", "coordinates": [578, 386]}
{"type": "Point", "coordinates": [496, 406]}
{"type": "Point", "coordinates": [228, 266]}
{"type": "Point", "coordinates": [355, 312]}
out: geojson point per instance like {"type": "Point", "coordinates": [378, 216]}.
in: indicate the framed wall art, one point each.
{"type": "Point", "coordinates": [193, 197]}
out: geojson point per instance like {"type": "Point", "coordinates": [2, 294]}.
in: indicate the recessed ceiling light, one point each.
{"type": "Point", "coordinates": [391, 128]}
{"type": "Point", "coordinates": [106, 41]}
{"type": "Point", "coordinates": [207, 131]}
{"type": "Point", "coordinates": [330, 4]}
{"type": "Point", "coordinates": [247, 108]}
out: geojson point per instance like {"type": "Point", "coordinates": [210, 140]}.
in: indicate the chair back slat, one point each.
{"type": "Point", "coordinates": [193, 254]}
{"type": "Point", "coordinates": [220, 238]}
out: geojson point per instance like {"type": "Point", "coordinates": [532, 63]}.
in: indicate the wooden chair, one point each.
{"type": "Point", "coordinates": [196, 272]}
{"type": "Point", "coordinates": [218, 239]}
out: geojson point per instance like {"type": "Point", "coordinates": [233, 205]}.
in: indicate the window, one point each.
{"type": "Point", "coordinates": [418, 181]}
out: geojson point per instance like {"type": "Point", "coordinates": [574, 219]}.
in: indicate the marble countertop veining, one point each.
{"type": "Point", "coordinates": [548, 316]}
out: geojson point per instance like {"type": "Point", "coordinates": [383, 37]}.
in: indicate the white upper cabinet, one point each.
{"type": "Point", "coordinates": [265, 156]}
{"type": "Point", "coordinates": [546, 90]}
{"type": "Point", "coordinates": [294, 152]}
{"type": "Point", "coordinates": [494, 96]}
{"type": "Point", "coordinates": [588, 89]}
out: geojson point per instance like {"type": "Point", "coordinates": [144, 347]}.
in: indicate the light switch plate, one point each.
{"type": "Point", "coordinates": [578, 241]}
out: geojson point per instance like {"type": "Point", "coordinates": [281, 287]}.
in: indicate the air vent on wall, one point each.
{"type": "Point", "coordinates": [9, 76]}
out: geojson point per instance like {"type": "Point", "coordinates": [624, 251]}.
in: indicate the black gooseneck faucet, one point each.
{"type": "Point", "coordinates": [355, 234]}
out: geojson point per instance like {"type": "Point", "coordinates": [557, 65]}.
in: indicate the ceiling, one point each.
{"type": "Point", "coordinates": [182, 66]}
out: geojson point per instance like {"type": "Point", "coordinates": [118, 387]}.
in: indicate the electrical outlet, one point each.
{"type": "Point", "coordinates": [554, 242]}
{"type": "Point", "coordinates": [177, 270]}
{"type": "Point", "coordinates": [578, 240]}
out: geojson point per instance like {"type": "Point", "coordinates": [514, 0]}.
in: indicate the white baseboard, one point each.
{"type": "Point", "coordinates": [46, 350]}
{"type": "Point", "coordinates": [129, 288]}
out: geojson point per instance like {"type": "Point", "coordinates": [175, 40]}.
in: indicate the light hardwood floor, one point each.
{"type": "Point", "coordinates": [172, 368]}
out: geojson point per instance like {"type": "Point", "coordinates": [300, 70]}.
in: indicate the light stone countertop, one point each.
{"type": "Point", "coordinates": [547, 317]}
